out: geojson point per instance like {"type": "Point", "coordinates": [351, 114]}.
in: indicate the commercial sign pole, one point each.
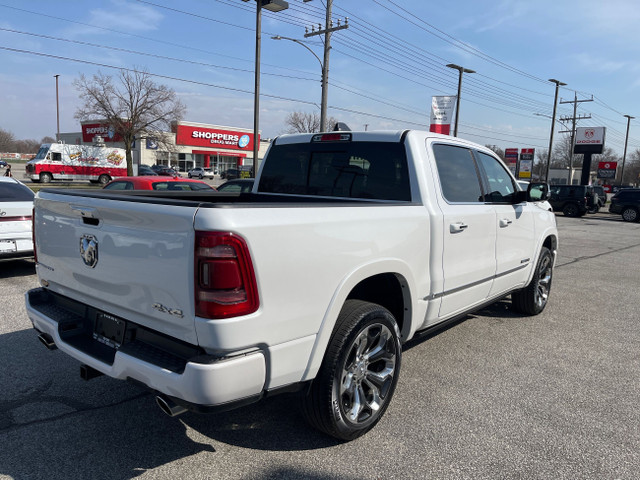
{"type": "Point", "coordinates": [511, 158]}
{"type": "Point", "coordinates": [588, 141]}
{"type": "Point", "coordinates": [526, 163]}
{"type": "Point", "coordinates": [441, 114]}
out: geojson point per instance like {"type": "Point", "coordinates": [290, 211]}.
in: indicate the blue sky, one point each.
{"type": "Point", "coordinates": [384, 68]}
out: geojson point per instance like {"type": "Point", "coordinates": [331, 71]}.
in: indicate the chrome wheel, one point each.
{"type": "Point", "coordinates": [368, 373]}
{"type": "Point", "coordinates": [545, 272]}
{"type": "Point", "coordinates": [359, 372]}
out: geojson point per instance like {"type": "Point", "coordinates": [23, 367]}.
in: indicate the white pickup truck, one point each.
{"type": "Point", "coordinates": [349, 244]}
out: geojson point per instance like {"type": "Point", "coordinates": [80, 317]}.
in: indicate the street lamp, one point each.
{"type": "Point", "coordinates": [460, 70]}
{"type": "Point", "coordinates": [273, 6]}
{"type": "Point", "coordinates": [624, 155]}
{"type": "Point", "coordinates": [323, 105]}
{"type": "Point", "coordinates": [57, 110]}
{"type": "Point", "coordinates": [553, 124]}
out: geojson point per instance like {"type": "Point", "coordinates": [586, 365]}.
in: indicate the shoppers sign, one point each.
{"type": "Point", "coordinates": [442, 113]}
{"type": "Point", "coordinates": [607, 169]}
{"type": "Point", "coordinates": [589, 140]}
{"type": "Point", "coordinates": [210, 137]}
{"type": "Point", "coordinates": [104, 130]}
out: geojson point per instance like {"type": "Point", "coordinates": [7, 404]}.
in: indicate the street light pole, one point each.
{"type": "Point", "coordinates": [323, 104]}
{"type": "Point", "coordinates": [57, 111]}
{"type": "Point", "coordinates": [274, 6]}
{"type": "Point", "coordinates": [460, 70]}
{"type": "Point", "coordinates": [553, 124]}
{"type": "Point", "coordinates": [624, 155]}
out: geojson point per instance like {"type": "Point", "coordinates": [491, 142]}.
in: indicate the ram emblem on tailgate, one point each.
{"type": "Point", "coordinates": [89, 250]}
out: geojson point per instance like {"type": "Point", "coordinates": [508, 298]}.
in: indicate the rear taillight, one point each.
{"type": "Point", "coordinates": [225, 283]}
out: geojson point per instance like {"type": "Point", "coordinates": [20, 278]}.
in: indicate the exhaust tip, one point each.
{"type": "Point", "coordinates": [47, 341]}
{"type": "Point", "coordinates": [169, 407]}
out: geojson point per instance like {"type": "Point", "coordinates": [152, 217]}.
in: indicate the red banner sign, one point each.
{"type": "Point", "coordinates": [209, 137]}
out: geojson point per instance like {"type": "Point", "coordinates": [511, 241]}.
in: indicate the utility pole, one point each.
{"type": "Point", "coordinates": [624, 155]}
{"type": "Point", "coordinates": [553, 126]}
{"type": "Point", "coordinates": [328, 28]}
{"type": "Point", "coordinates": [574, 119]}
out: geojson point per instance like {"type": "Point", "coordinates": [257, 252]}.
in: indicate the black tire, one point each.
{"type": "Point", "coordinates": [104, 179]}
{"type": "Point", "coordinates": [570, 210]}
{"type": "Point", "coordinates": [532, 299]}
{"type": "Point", "coordinates": [200, 177]}
{"type": "Point", "coordinates": [189, 175]}
{"type": "Point", "coordinates": [359, 373]}
{"type": "Point", "coordinates": [630, 214]}
{"type": "Point", "coordinates": [45, 177]}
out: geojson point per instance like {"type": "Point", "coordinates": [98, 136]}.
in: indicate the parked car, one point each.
{"type": "Point", "coordinates": [571, 200]}
{"type": "Point", "coordinates": [16, 207]}
{"type": "Point", "coordinates": [157, 183]}
{"type": "Point", "coordinates": [201, 173]}
{"type": "Point", "coordinates": [146, 170]}
{"type": "Point", "coordinates": [167, 172]}
{"type": "Point", "coordinates": [627, 203]}
{"type": "Point", "coordinates": [3, 163]}
{"type": "Point", "coordinates": [230, 174]}
{"type": "Point", "coordinates": [242, 185]}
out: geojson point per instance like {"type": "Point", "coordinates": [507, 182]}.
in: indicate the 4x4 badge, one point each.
{"type": "Point", "coordinates": [89, 250]}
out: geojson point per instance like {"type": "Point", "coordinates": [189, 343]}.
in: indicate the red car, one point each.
{"type": "Point", "coordinates": [157, 183]}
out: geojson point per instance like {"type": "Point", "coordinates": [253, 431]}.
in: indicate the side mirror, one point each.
{"type": "Point", "coordinates": [536, 192]}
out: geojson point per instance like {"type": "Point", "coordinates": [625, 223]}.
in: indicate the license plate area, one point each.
{"type": "Point", "coordinates": [109, 330]}
{"type": "Point", "coordinates": [8, 246]}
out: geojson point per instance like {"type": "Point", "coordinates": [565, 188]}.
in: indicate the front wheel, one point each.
{"type": "Point", "coordinates": [532, 299]}
{"type": "Point", "coordinates": [359, 373]}
{"type": "Point", "coordinates": [630, 215]}
{"type": "Point", "coordinates": [45, 177]}
{"type": "Point", "coordinates": [104, 179]}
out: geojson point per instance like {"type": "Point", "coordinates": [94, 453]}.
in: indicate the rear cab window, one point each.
{"type": "Point", "coordinates": [343, 169]}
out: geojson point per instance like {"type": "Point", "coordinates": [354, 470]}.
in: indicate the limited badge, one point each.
{"type": "Point", "coordinates": [89, 250]}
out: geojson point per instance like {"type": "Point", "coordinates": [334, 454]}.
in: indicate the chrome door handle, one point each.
{"type": "Point", "coordinates": [457, 227]}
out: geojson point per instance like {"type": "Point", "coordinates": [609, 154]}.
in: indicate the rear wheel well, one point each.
{"type": "Point", "coordinates": [389, 290]}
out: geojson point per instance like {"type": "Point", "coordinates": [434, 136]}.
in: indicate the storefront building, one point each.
{"type": "Point", "coordinates": [190, 145]}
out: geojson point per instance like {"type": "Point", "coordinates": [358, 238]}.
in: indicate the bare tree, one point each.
{"type": "Point", "coordinates": [561, 157]}
{"type": "Point", "coordinates": [137, 108]}
{"type": "Point", "coordinates": [303, 122]}
{"type": "Point", "coordinates": [7, 141]}
{"type": "Point", "coordinates": [497, 150]}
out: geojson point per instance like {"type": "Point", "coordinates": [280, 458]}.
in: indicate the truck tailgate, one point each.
{"type": "Point", "coordinates": [132, 259]}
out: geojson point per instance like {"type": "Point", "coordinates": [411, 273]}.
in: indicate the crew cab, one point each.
{"type": "Point", "coordinates": [349, 244]}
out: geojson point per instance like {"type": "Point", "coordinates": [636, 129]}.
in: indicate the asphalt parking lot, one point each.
{"type": "Point", "coordinates": [496, 396]}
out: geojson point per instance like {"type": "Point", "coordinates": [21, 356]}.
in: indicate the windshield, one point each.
{"type": "Point", "coordinates": [42, 153]}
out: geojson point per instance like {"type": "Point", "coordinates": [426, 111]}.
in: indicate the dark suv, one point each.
{"type": "Point", "coordinates": [627, 203]}
{"type": "Point", "coordinates": [572, 200]}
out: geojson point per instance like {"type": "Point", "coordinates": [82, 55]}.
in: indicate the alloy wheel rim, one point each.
{"type": "Point", "coordinates": [544, 282]}
{"type": "Point", "coordinates": [368, 373]}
